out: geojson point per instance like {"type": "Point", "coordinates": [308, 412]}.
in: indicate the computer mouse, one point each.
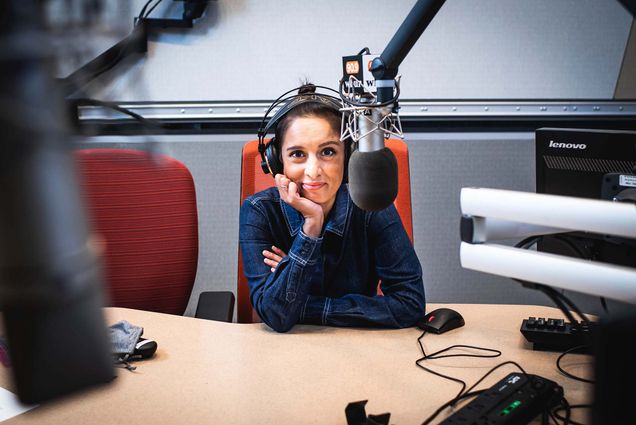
{"type": "Point", "coordinates": [145, 348]}
{"type": "Point", "coordinates": [441, 320]}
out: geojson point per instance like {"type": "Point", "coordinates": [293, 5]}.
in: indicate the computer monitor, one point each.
{"type": "Point", "coordinates": [596, 164]}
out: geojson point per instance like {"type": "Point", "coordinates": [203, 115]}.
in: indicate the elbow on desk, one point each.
{"type": "Point", "coordinates": [280, 326]}
{"type": "Point", "coordinates": [411, 311]}
{"type": "Point", "coordinates": [278, 322]}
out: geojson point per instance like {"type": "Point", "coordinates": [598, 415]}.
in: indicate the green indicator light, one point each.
{"type": "Point", "coordinates": [510, 408]}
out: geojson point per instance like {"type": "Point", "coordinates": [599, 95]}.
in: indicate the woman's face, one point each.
{"type": "Point", "coordinates": [313, 157]}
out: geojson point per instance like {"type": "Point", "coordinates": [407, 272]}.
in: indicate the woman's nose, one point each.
{"type": "Point", "coordinates": [312, 167]}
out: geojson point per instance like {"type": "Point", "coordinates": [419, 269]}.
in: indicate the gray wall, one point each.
{"type": "Point", "coordinates": [502, 49]}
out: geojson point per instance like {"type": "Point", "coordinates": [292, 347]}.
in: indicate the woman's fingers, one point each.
{"type": "Point", "coordinates": [273, 264]}
{"type": "Point", "coordinates": [292, 189]}
{"type": "Point", "coordinates": [279, 251]}
{"type": "Point", "coordinates": [290, 194]}
{"type": "Point", "coordinates": [273, 258]}
{"type": "Point", "coordinates": [272, 255]}
{"type": "Point", "coordinates": [282, 183]}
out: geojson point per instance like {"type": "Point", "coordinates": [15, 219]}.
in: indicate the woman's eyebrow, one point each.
{"type": "Point", "coordinates": [293, 148]}
{"type": "Point", "coordinates": [322, 145]}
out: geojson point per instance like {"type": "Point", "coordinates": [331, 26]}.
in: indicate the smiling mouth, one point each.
{"type": "Point", "coordinates": [313, 186]}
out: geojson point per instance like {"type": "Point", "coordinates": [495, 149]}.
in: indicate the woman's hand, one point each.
{"type": "Point", "coordinates": [313, 213]}
{"type": "Point", "coordinates": [273, 257]}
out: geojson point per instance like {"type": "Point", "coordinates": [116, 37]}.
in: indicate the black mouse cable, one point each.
{"type": "Point", "coordinates": [435, 355]}
{"type": "Point", "coordinates": [425, 357]}
{"type": "Point", "coordinates": [417, 363]}
{"type": "Point", "coordinates": [469, 392]}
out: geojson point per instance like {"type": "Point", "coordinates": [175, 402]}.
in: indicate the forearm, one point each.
{"type": "Point", "coordinates": [398, 308]}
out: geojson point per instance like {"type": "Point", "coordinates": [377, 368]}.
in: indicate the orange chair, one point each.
{"type": "Point", "coordinates": [143, 207]}
{"type": "Point", "coordinates": [254, 180]}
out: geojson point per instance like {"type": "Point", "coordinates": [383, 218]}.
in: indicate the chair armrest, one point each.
{"type": "Point", "coordinates": [217, 305]}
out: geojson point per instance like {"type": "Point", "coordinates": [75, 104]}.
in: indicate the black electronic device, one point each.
{"type": "Point", "coordinates": [596, 164]}
{"type": "Point", "coordinates": [614, 369]}
{"type": "Point", "coordinates": [441, 320]}
{"type": "Point", "coordinates": [145, 348]}
{"type": "Point", "coordinates": [619, 187]}
{"type": "Point", "coordinates": [548, 334]}
{"type": "Point", "coordinates": [516, 399]}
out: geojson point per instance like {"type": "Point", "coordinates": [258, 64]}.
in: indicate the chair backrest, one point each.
{"type": "Point", "coordinates": [143, 207]}
{"type": "Point", "coordinates": [254, 180]}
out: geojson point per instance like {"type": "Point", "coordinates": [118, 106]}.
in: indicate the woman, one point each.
{"type": "Point", "coordinates": [309, 254]}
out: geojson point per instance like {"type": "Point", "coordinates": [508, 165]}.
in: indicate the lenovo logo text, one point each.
{"type": "Point", "coordinates": [554, 144]}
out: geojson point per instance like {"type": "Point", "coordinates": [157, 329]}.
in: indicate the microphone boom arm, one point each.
{"type": "Point", "coordinates": [385, 67]}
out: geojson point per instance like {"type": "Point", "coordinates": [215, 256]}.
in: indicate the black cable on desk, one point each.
{"type": "Point", "coordinates": [448, 403]}
{"type": "Point", "coordinates": [568, 374]}
{"type": "Point", "coordinates": [435, 355]}
{"type": "Point", "coordinates": [565, 406]}
{"type": "Point", "coordinates": [468, 393]}
{"type": "Point", "coordinates": [492, 370]}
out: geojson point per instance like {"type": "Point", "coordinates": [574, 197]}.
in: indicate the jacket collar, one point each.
{"type": "Point", "coordinates": [336, 221]}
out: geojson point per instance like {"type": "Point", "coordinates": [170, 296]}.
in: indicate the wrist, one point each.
{"type": "Point", "coordinates": [312, 227]}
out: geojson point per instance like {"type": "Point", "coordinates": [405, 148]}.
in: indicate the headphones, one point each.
{"type": "Point", "coordinates": [271, 162]}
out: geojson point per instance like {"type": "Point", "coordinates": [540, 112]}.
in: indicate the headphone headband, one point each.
{"type": "Point", "coordinates": [291, 101]}
{"type": "Point", "coordinates": [271, 163]}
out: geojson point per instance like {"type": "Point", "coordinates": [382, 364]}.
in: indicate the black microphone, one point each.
{"type": "Point", "coordinates": [373, 172]}
{"type": "Point", "coordinates": [368, 118]}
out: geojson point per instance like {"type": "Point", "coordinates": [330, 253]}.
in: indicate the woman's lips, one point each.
{"type": "Point", "coordinates": [313, 186]}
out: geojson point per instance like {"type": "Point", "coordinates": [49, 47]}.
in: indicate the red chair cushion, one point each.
{"type": "Point", "coordinates": [143, 206]}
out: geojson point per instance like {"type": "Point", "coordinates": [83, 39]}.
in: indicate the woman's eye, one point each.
{"type": "Point", "coordinates": [329, 152]}
{"type": "Point", "coordinates": [296, 154]}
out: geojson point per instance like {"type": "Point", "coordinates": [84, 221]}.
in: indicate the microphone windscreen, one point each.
{"type": "Point", "coordinates": [373, 179]}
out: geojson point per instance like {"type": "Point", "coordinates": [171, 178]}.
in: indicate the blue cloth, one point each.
{"type": "Point", "coordinates": [330, 280]}
{"type": "Point", "coordinates": [124, 336]}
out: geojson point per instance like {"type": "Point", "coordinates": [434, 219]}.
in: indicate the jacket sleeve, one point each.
{"type": "Point", "coordinates": [277, 296]}
{"type": "Point", "coordinates": [402, 303]}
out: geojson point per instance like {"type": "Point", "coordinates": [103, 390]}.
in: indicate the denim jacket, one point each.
{"type": "Point", "coordinates": [333, 279]}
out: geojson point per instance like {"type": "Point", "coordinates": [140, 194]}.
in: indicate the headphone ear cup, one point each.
{"type": "Point", "coordinates": [272, 161]}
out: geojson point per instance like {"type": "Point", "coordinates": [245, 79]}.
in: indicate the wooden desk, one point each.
{"type": "Point", "coordinates": [208, 372]}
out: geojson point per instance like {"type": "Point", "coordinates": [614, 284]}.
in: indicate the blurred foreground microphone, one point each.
{"type": "Point", "coordinates": [50, 291]}
{"type": "Point", "coordinates": [370, 89]}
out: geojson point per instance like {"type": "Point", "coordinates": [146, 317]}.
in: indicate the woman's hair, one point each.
{"type": "Point", "coordinates": [308, 109]}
